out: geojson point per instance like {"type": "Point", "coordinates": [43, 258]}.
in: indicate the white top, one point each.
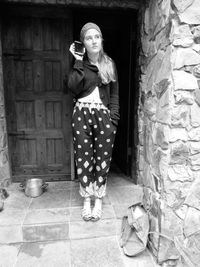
{"type": "Point", "coordinates": [94, 97]}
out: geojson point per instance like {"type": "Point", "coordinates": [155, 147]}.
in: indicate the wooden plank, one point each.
{"type": "Point", "coordinates": [37, 34]}
{"type": "Point", "coordinates": [48, 70]}
{"type": "Point", "coordinates": [30, 115]}
{"type": "Point", "coordinates": [47, 35]}
{"type": "Point", "coordinates": [28, 76]}
{"type": "Point", "coordinates": [19, 70]}
{"type": "Point", "coordinates": [20, 116]}
{"type": "Point", "coordinates": [40, 120]}
{"type": "Point", "coordinates": [58, 115]}
{"type": "Point", "coordinates": [59, 145]}
{"type": "Point", "coordinates": [56, 76]}
{"type": "Point", "coordinates": [38, 76]}
{"type": "Point", "coordinates": [25, 33]}
{"type": "Point", "coordinates": [49, 115]}
{"type": "Point", "coordinates": [50, 151]}
{"type": "Point", "coordinates": [56, 35]}
{"type": "Point", "coordinates": [10, 38]}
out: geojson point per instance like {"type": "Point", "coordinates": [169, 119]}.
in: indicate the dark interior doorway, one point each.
{"type": "Point", "coordinates": [119, 28]}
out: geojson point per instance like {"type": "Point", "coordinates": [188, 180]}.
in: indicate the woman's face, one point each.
{"type": "Point", "coordinates": [93, 41]}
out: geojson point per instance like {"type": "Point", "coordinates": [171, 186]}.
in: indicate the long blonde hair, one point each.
{"type": "Point", "coordinates": [106, 68]}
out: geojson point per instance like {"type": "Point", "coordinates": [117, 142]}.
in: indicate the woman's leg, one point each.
{"type": "Point", "coordinates": [104, 136]}
{"type": "Point", "coordinates": [83, 149]}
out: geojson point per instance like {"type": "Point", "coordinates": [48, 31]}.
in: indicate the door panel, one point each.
{"type": "Point", "coordinates": [38, 111]}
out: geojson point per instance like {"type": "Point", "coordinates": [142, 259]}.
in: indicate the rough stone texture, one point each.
{"type": "Point", "coordinates": [182, 35]}
{"type": "Point", "coordinates": [4, 159]}
{"type": "Point", "coordinates": [191, 13]}
{"type": "Point", "coordinates": [186, 57]}
{"type": "Point", "coordinates": [170, 108]}
{"type": "Point", "coordinates": [181, 5]}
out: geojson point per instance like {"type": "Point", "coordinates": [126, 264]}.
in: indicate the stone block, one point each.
{"type": "Point", "coordinates": [161, 87]}
{"type": "Point", "coordinates": [50, 200]}
{"type": "Point", "coordinates": [152, 70]}
{"type": "Point", "coordinates": [156, 159]}
{"type": "Point", "coordinates": [161, 137]}
{"type": "Point", "coordinates": [96, 252]}
{"type": "Point", "coordinates": [178, 134]}
{"type": "Point", "coordinates": [196, 34]}
{"type": "Point", "coordinates": [162, 39]}
{"type": "Point", "coordinates": [148, 178]}
{"type": "Point", "coordinates": [192, 222]}
{"type": "Point", "coordinates": [182, 35]}
{"type": "Point", "coordinates": [126, 195]}
{"type": "Point", "coordinates": [55, 253]}
{"type": "Point", "coordinates": [194, 134]}
{"type": "Point", "coordinates": [189, 250]}
{"type": "Point", "coordinates": [81, 229]}
{"type": "Point", "coordinates": [194, 148]}
{"type": "Point", "coordinates": [181, 116]}
{"type": "Point", "coordinates": [164, 70]}
{"type": "Point", "coordinates": [8, 254]}
{"type": "Point", "coordinates": [195, 159]}
{"type": "Point", "coordinates": [184, 81]}
{"type": "Point", "coordinates": [182, 5]}
{"type": "Point", "coordinates": [150, 105]}
{"type": "Point", "coordinates": [11, 217]}
{"type": "Point", "coordinates": [196, 71]}
{"type": "Point", "coordinates": [183, 97]}
{"type": "Point", "coordinates": [39, 216]}
{"type": "Point", "coordinates": [180, 173]}
{"type": "Point", "coordinates": [11, 234]}
{"type": "Point", "coordinates": [176, 192]}
{"type": "Point", "coordinates": [154, 224]}
{"type": "Point", "coordinates": [193, 197]}
{"type": "Point", "coordinates": [45, 232]}
{"type": "Point", "coordinates": [186, 57]}
{"type": "Point", "coordinates": [171, 226]}
{"type": "Point", "coordinates": [195, 118]}
{"type": "Point", "coordinates": [165, 7]}
{"type": "Point", "coordinates": [190, 15]}
{"type": "Point", "coordinates": [17, 200]}
{"type": "Point", "coordinates": [179, 153]}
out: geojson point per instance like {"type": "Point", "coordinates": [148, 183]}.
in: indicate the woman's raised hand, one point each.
{"type": "Point", "coordinates": [72, 50]}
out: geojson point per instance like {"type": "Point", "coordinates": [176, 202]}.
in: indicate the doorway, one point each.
{"type": "Point", "coordinates": [35, 44]}
{"type": "Point", "coordinates": [119, 29]}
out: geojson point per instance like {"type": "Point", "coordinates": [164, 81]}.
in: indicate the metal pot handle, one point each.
{"type": "Point", "coordinates": [22, 185]}
{"type": "Point", "coordinates": [44, 186]}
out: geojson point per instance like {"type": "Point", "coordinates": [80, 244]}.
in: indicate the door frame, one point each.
{"type": "Point", "coordinates": [60, 11]}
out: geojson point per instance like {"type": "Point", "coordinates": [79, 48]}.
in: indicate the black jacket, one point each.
{"type": "Point", "coordinates": [83, 79]}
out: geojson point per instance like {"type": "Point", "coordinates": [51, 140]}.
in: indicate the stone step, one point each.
{"type": "Point", "coordinates": [56, 214]}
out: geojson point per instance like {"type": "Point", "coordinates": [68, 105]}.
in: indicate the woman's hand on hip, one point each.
{"type": "Point", "coordinates": [72, 50]}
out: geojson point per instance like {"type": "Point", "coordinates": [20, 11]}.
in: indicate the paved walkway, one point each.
{"type": "Point", "coordinates": [48, 230]}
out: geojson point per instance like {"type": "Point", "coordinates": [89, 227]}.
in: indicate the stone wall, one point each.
{"type": "Point", "coordinates": [4, 163]}
{"type": "Point", "coordinates": [169, 128]}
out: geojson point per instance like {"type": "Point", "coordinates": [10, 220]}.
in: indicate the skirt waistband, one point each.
{"type": "Point", "coordinates": [90, 106]}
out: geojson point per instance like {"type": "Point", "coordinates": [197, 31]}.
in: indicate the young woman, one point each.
{"type": "Point", "coordinates": [94, 85]}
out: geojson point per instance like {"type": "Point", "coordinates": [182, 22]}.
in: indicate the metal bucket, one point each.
{"type": "Point", "coordinates": [34, 187]}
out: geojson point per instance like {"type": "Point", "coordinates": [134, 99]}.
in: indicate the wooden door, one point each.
{"type": "Point", "coordinates": [38, 109]}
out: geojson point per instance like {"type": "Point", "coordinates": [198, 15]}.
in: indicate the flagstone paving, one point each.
{"type": "Point", "coordinates": [48, 230]}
